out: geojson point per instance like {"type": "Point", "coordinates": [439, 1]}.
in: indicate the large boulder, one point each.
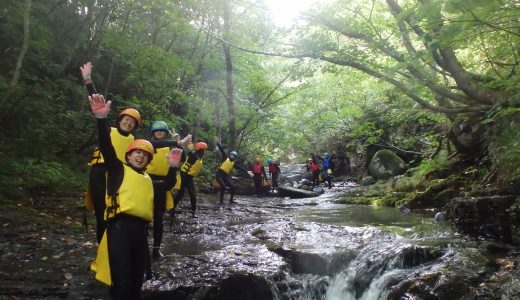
{"type": "Point", "coordinates": [386, 164]}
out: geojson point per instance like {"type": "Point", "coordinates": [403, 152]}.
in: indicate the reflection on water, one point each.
{"type": "Point", "coordinates": [357, 216]}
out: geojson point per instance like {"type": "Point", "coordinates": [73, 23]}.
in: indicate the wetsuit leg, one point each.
{"type": "Point", "coordinates": [274, 180]}
{"type": "Point", "coordinates": [220, 178]}
{"type": "Point", "coordinates": [159, 207]}
{"type": "Point", "coordinates": [191, 191]}
{"type": "Point", "coordinates": [230, 187]}
{"type": "Point", "coordinates": [126, 246]}
{"type": "Point", "coordinates": [98, 187]}
{"type": "Point", "coordinates": [178, 198]}
{"type": "Point", "coordinates": [257, 179]}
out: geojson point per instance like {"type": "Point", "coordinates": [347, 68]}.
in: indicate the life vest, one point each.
{"type": "Point", "coordinates": [314, 167]}
{"type": "Point", "coordinates": [120, 143]}
{"type": "Point", "coordinates": [273, 168]}
{"type": "Point", "coordinates": [134, 197]}
{"type": "Point", "coordinates": [327, 163]}
{"type": "Point", "coordinates": [227, 166]}
{"type": "Point", "coordinates": [257, 169]}
{"type": "Point", "coordinates": [192, 169]}
{"type": "Point", "coordinates": [159, 165]}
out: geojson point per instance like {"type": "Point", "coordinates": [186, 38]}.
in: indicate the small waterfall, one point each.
{"type": "Point", "coordinates": [370, 275]}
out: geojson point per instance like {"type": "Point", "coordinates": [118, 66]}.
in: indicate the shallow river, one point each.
{"type": "Point", "coordinates": [314, 248]}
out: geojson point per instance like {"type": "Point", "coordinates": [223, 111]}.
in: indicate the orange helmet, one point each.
{"type": "Point", "coordinates": [131, 113]}
{"type": "Point", "coordinates": [201, 146]}
{"type": "Point", "coordinates": [257, 159]}
{"type": "Point", "coordinates": [141, 144]}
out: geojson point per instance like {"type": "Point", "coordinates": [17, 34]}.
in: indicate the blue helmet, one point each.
{"type": "Point", "coordinates": [269, 161]}
{"type": "Point", "coordinates": [158, 126]}
{"type": "Point", "coordinates": [233, 154]}
{"type": "Point", "coordinates": [326, 154]}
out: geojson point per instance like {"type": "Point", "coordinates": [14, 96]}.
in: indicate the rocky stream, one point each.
{"type": "Point", "coordinates": [263, 248]}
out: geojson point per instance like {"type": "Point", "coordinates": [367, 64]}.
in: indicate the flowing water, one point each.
{"type": "Point", "coordinates": [315, 248]}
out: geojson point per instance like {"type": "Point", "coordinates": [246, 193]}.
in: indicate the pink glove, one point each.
{"type": "Point", "coordinates": [174, 157]}
{"type": "Point", "coordinates": [86, 71]}
{"type": "Point", "coordinates": [99, 106]}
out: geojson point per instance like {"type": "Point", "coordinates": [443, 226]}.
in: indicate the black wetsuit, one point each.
{"type": "Point", "coordinates": [187, 183]}
{"type": "Point", "coordinates": [126, 234]}
{"type": "Point", "coordinates": [224, 179]}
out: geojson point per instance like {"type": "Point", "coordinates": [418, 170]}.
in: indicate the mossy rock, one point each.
{"type": "Point", "coordinates": [386, 164]}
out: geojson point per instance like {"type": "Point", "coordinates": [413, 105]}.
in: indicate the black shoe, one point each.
{"type": "Point", "coordinates": [156, 253]}
{"type": "Point", "coordinates": [232, 202]}
{"type": "Point", "coordinates": [193, 215]}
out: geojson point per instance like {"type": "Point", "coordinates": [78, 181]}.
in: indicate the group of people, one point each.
{"type": "Point", "coordinates": [131, 182]}
{"type": "Point", "coordinates": [130, 185]}
{"type": "Point", "coordinates": [314, 168]}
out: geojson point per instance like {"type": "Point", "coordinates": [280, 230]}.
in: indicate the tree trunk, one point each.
{"type": "Point", "coordinates": [229, 80]}
{"type": "Point", "coordinates": [19, 61]}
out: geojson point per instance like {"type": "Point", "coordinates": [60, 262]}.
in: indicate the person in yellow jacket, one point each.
{"type": "Point", "coordinates": [159, 171]}
{"type": "Point", "coordinates": [191, 168]}
{"type": "Point", "coordinates": [121, 136]}
{"type": "Point", "coordinates": [223, 173]}
{"type": "Point", "coordinates": [129, 209]}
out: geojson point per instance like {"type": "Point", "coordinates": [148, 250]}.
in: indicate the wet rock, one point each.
{"type": "Point", "coordinates": [260, 233]}
{"type": "Point", "coordinates": [286, 191]}
{"type": "Point", "coordinates": [239, 286]}
{"type": "Point", "coordinates": [368, 180]}
{"type": "Point", "coordinates": [441, 217]}
{"type": "Point", "coordinates": [494, 217]}
{"type": "Point", "coordinates": [386, 164]}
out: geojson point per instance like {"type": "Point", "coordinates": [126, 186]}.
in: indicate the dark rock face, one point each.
{"type": "Point", "coordinates": [386, 164]}
{"type": "Point", "coordinates": [242, 286]}
{"type": "Point", "coordinates": [496, 217]}
{"type": "Point", "coordinates": [467, 135]}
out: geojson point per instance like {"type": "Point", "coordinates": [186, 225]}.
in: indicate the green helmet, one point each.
{"type": "Point", "coordinates": [158, 126]}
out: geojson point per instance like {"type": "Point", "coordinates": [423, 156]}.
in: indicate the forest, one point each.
{"type": "Point", "coordinates": [411, 76]}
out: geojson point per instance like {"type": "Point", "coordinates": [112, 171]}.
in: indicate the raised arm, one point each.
{"type": "Point", "coordinates": [172, 143]}
{"type": "Point", "coordinates": [86, 73]}
{"type": "Point", "coordinates": [222, 153]}
{"type": "Point", "coordinates": [100, 108]}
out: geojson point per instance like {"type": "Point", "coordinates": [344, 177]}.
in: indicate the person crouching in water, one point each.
{"type": "Point", "coordinates": [129, 209]}
{"type": "Point", "coordinates": [159, 171]}
{"type": "Point", "coordinates": [274, 172]}
{"type": "Point", "coordinates": [258, 171]}
{"type": "Point", "coordinates": [191, 168]}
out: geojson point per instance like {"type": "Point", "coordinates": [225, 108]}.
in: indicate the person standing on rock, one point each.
{"type": "Point", "coordinates": [258, 176]}
{"type": "Point", "coordinates": [274, 172]}
{"type": "Point", "coordinates": [313, 166]}
{"type": "Point", "coordinates": [328, 166]}
{"type": "Point", "coordinates": [121, 136]}
{"type": "Point", "coordinates": [191, 168]}
{"type": "Point", "coordinates": [223, 173]}
{"type": "Point", "coordinates": [159, 171]}
{"type": "Point", "coordinates": [122, 252]}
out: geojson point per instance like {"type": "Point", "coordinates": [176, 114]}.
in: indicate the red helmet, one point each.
{"type": "Point", "coordinates": [201, 146]}
{"type": "Point", "coordinates": [141, 144]}
{"type": "Point", "coordinates": [131, 113]}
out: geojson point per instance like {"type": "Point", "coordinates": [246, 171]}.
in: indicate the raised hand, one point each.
{"type": "Point", "coordinates": [99, 106]}
{"type": "Point", "coordinates": [174, 157]}
{"type": "Point", "coordinates": [185, 141]}
{"type": "Point", "coordinates": [86, 71]}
